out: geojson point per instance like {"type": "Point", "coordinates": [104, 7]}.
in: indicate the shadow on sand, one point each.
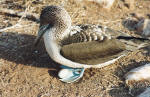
{"type": "Point", "coordinates": [19, 48]}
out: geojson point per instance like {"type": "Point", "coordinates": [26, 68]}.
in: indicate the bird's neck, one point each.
{"type": "Point", "coordinates": [51, 42]}
{"type": "Point", "coordinates": [56, 35]}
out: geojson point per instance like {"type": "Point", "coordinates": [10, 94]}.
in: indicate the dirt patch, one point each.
{"type": "Point", "coordinates": [26, 71]}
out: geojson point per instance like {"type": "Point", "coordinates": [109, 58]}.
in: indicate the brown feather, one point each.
{"type": "Point", "coordinates": [94, 52]}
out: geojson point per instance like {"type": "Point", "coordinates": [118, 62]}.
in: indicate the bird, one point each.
{"type": "Point", "coordinates": [84, 46]}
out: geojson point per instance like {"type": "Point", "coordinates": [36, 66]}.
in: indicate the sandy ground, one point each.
{"type": "Point", "coordinates": [26, 71]}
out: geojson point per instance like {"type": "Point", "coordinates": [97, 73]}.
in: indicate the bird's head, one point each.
{"type": "Point", "coordinates": [53, 17]}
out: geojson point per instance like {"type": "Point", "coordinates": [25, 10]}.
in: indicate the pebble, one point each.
{"type": "Point", "coordinates": [138, 74]}
{"type": "Point", "coordinates": [105, 3]}
{"type": "Point", "coordinates": [143, 27]}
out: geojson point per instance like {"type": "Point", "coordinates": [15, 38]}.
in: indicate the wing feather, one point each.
{"type": "Point", "coordinates": [85, 34]}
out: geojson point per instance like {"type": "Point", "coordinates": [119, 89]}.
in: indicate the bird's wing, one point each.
{"type": "Point", "coordinates": [89, 32]}
{"type": "Point", "coordinates": [106, 47]}
{"type": "Point", "coordinates": [94, 52]}
{"type": "Point", "coordinates": [85, 33]}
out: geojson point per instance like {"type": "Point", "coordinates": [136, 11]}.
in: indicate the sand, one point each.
{"type": "Point", "coordinates": [26, 71]}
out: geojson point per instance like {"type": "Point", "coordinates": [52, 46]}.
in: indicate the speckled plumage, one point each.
{"type": "Point", "coordinates": [85, 33]}
{"type": "Point", "coordinates": [57, 17]}
{"type": "Point", "coordinates": [60, 38]}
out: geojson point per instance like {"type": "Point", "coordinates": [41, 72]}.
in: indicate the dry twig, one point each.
{"type": "Point", "coordinates": [30, 16]}
{"type": "Point", "coordinates": [19, 14]}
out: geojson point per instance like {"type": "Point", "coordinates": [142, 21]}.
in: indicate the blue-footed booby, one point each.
{"type": "Point", "coordinates": [84, 46]}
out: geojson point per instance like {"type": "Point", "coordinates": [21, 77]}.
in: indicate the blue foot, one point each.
{"type": "Point", "coordinates": [69, 75]}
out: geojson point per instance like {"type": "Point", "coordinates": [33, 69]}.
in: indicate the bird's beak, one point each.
{"type": "Point", "coordinates": [41, 32]}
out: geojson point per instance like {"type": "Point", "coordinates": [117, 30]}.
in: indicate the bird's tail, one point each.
{"type": "Point", "coordinates": [134, 43]}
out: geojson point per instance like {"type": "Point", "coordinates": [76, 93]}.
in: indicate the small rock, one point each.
{"type": "Point", "coordinates": [146, 27]}
{"type": "Point", "coordinates": [146, 93]}
{"type": "Point", "coordinates": [130, 3]}
{"type": "Point", "coordinates": [138, 79]}
{"type": "Point", "coordinates": [130, 24]}
{"type": "Point", "coordinates": [143, 27]}
{"type": "Point", "coordinates": [139, 26]}
{"type": "Point", "coordinates": [138, 23]}
{"type": "Point", "coordinates": [138, 74]}
{"type": "Point", "coordinates": [140, 7]}
{"type": "Point", "coordinates": [6, 21]}
{"type": "Point", "coordinates": [105, 3]}
{"type": "Point", "coordinates": [137, 16]}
